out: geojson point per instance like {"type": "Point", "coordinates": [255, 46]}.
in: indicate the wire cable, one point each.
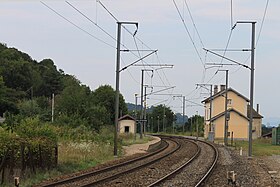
{"type": "Point", "coordinates": [258, 37]}
{"type": "Point", "coordinates": [91, 21]}
{"type": "Point", "coordinates": [264, 15]}
{"type": "Point", "coordinates": [135, 37]}
{"type": "Point", "coordinates": [194, 25]}
{"type": "Point", "coordinates": [77, 26]}
{"type": "Point", "coordinates": [228, 41]}
{"type": "Point", "coordinates": [187, 30]}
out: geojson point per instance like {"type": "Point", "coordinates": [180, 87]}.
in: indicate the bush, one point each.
{"type": "Point", "coordinates": [32, 145]}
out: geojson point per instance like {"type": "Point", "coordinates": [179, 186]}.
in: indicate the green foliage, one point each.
{"type": "Point", "coordinates": [191, 124]}
{"type": "Point", "coordinates": [161, 115]}
{"type": "Point", "coordinates": [7, 141]}
{"type": "Point", "coordinates": [105, 96]}
{"type": "Point", "coordinates": [32, 129]}
{"type": "Point", "coordinates": [52, 78]}
{"type": "Point", "coordinates": [26, 88]}
{"type": "Point", "coordinates": [29, 108]}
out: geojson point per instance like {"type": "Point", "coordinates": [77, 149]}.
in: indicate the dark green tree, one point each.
{"type": "Point", "coordinates": [52, 79]}
{"type": "Point", "coordinates": [162, 117]}
{"type": "Point", "coordinates": [192, 122]}
{"type": "Point", "coordinates": [105, 96]}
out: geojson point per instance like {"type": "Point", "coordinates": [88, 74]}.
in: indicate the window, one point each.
{"type": "Point", "coordinates": [229, 101]}
{"type": "Point", "coordinates": [126, 129]}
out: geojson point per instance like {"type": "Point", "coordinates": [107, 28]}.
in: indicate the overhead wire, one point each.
{"type": "Point", "coordinates": [194, 25]}
{"type": "Point", "coordinates": [115, 18]}
{"type": "Point", "coordinates": [130, 74]}
{"type": "Point", "coordinates": [264, 15]}
{"type": "Point", "coordinates": [258, 37]}
{"type": "Point", "coordinates": [188, 33]}
{"type": "Point", "coordinates": [224, 53]}
{"type": "Point", "coordinates": [231, 14]}
{"type": "Point", "coordinates": [103, 30]}
{"type": "Point", "coordinates": [91, 20]}
{"type": "Point", "coordinates": [192, 40]}
{"type": "Point", "coordinates": [60, 15]}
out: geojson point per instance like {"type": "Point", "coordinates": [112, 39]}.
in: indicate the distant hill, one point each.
{"type": "Point", "coordinates": [271, 121]}
{"type": "Point", "coordinates": [131, 107]}
{"type": "Point", "coordinates": [180, 118]}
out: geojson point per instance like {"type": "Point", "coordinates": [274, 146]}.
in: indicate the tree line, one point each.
{"type": "Point", "coordinates": [26, 88]}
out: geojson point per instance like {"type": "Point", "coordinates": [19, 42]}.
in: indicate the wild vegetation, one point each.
{"type": "Point", "coordinates": [82, 118]}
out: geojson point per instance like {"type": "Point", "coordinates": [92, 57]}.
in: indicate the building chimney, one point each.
{"type": "Point", "coordinates": [215, 89]}
{"type": "Point", "coordinates": [222, 87]}
{"type": "Point", "coordinates": [258, 108]}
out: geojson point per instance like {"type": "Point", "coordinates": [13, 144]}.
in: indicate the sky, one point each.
{"type": "Point", "coordinates": [86, 48]}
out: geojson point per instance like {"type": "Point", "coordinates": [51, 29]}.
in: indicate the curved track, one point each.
{"type": "Point", "coordinates": [108, 173]}
{"type": "Point", "coordinates": [148, 174]}
{"type": "Point", "coordinates": [195, 171]}
{"type": "Point", "coordinates": [180, 162]}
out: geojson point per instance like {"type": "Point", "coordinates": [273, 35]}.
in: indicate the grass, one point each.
{"type": "Point", "coordinates": [260, 147]}
{"type": "Point", "coordinates": [79, 155]}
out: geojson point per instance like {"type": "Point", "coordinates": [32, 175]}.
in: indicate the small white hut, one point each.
{"type": "Point", "coordinates": [127, 124]}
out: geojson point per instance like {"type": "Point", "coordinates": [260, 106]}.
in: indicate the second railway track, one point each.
{"type": "Point", "coordinates": [180, 162]}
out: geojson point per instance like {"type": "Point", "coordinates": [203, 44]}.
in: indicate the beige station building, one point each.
{"type": "Point", "coordinates": [127, 124]}
{"type": "Point", "coordinates": [238, 116]}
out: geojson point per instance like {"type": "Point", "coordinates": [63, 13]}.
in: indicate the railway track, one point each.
{"type": "Point", "coordinates": [151, 173]}
{"type": "Point", "coordinates": [111, 172]}
{"type": "Point", "coordinates": [193, 172]}
{"type": "Point", "coordinates": [177, 160]}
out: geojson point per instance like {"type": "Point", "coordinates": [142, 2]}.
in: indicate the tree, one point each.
{"type": "Point", "coordinates": [7, 99]}
{"type": "Point", "coordinates": [105, 96]}
{"type": "Point", "coordinates": [193, 121]}
{"type": "Point", "coordinates": [163, 117]}
{"type": "Point", "coordinates": [52, 79]}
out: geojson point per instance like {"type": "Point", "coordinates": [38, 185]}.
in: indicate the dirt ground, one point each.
{"type": "Point", "coordinates": [139, 148]}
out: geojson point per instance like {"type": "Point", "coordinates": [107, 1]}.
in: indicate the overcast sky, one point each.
{"type": "Point", "coordinates": [33, 28]}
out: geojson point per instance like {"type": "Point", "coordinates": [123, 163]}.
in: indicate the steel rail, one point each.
{"type": "Point", "coordinates": [179, 169]}
{"type": "Point", "coordinates": [112, 177]}
{"type": "Point", "coordinates": [204, 178]}
{"type": "Point", "coordinates": [88, 174]}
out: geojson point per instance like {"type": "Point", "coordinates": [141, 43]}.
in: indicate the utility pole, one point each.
{"type": "Point", "coordinates": [135, 115]}
{"type": "Point", "coordinates": [141, 118]}
{"type": "Point", "coordinates": [118, 82]}
{"type": "Point", "coordinates": [191, 126]}
{"type": "Point", "coordinates": [158, 124]}
{"type": "Point", "coordinates": [135, 108]}
{"type": "Point", "coordinates": [163, 120]}
{"type": "Point", "coordinates": [252, 68]}
{"type": "Point", "coordinates": [117, 89]}
{"type": "Point", "coordinates": [211, 102]}
{"type": "Point", "coordinates": [142, 103]}
{"type": "Point", "coordinates": [52, 106]}
{"type": "Point", "coordinates": [184, 98]}
{"type": "Point", "coordinates": [152, 127]}
{"type": "Point", "coordinates": [226, 111]}
{"type": "Point", "coordinates": [183, 112]}
{"type": "Point", "coordinates": [196, 125]}
{"type": "Point", "coordinates": [252, 87]}
{"type": "Point", "coordinates": [145, 110]}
